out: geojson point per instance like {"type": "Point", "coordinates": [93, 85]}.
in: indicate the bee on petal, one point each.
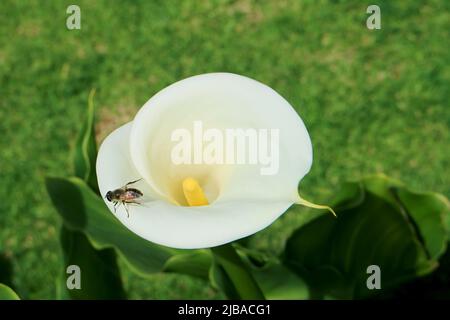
{"type": "Point", "coordinates": [124, 196]}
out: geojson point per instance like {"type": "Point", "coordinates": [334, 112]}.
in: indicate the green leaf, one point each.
{"type": "Point", "coordinates": [275, 280]}
{"type": "Point", "coordinates": [6, 293]}
{"type": "Point", "coordinates": [232, 275]}
{"type": "Point", "coordinates": [76, 247]}
{"type": "Point", "coordinates": [279, 283]}
{"type": "Point", "coordinates": [428, 212]}
{"type": "Point", "coordinates": [196, 264]}
{"type": "Point", "coordinates": [380, 222]}
{"type": "Point", "coordinates": [222, 282]}
{"type": "Point", "coordinates": [82, 210]}
{"type": "Point", "coordinates": [99, 272]}
{"type": "Point", "coordinates": [85, 152]}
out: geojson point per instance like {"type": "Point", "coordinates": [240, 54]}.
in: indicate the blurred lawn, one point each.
{"type": "Point", "coordinates": [373, 101]}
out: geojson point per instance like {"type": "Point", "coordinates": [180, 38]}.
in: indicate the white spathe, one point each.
{"type": "Point", "coordinates": [242, 201]}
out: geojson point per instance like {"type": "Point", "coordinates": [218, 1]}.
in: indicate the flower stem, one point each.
{"type": "Point", "coordinates": [241, 278]}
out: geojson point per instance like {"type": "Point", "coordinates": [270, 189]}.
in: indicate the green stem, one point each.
{"type": "Point", "coordinates": [241, 278]}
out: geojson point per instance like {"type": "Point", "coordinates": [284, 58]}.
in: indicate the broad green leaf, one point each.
{"type": "Point", "coordinates": [219, 280]}
{"type": "Point", "coordinates": [383, 187]}
{"type": "Point", "coordinates": [196, 264]}
{"type": "Point", "coordinates": [99, 272]}
{"type": "Point", "coordinates": [275, 280]}
{"type": "Point", "coordinates": [332, 255]}
{"type": "Point", "coordinates": [75, 245]}
{"type": "Point", "coordinates": [279, 283]}
{"type": "Point", "coordinates": [232, 275]}
{"type": "Point", "coordinates": [85, 152]}
{"type": "Point", "coordinates": [428, 212]}
{"type": "Point", "coordinates": [82, 210]}
{"type": "Point", "coordinates": [6, 293]}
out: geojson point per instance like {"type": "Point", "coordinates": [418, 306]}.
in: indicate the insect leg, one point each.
{"type": "Point", "coordinates": [126, 208]}
{"type": "Point", "coordinates": [133, 202]}
{"type": "Point", "coordinates": [131, 182]}
{"type": "Point", "coordinates": [115, 206]}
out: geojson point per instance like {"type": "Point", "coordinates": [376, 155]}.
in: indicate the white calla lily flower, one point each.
{"type": "Point", "coordinates": [203, 205]}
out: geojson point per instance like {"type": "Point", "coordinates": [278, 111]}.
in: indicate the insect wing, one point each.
{"type": "Point", "coordinates": [131, 194]}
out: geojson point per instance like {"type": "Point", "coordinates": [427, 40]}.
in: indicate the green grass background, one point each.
{"type": "Point", "coordinates": [373, 101]}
